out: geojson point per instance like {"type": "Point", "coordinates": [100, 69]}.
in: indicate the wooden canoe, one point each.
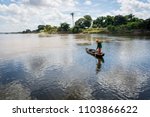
{"type": "Point", "coordinates": [94, 53]}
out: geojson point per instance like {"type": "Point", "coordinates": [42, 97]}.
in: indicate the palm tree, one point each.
{"type": "Point", "coordinates": [72, 14]}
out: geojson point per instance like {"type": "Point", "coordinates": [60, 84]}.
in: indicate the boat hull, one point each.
{"type": "Point", "coordinates": [94, 53]}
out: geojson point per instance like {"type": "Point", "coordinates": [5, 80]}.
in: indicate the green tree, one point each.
{"type": "Point", "coordinates": [132, 25]}
{"type": "Point", "coordinates": [88, 17]}
{"type": "Point", "coordinates": [64, 27]}
{"type": "Point", "coordinates": [112, 28]}
{"type": "Point", "coordinates": [76, 29]}
{"type": "Point", "coordinates": [88, 21]}
{"type": "Point", "coordinates": [27, 31]}
{"type": "Point", "coordinates": [129, 17]}
{"type": "Point", "coordinates": [80, 23]}
{"type": "Point", "coordinates": [147, 24]}
{"type": "Point", "coordinates": [47, 28]}
{"type": "Point", "coordinates": [84, 22]}
{"type": "Point", "coordinates": [99, 22]}
{"type": "Point", "coordinates": [109, 20]}
{"type": "Point", "coordinates": [119, 20]}
{"type": "Point", "coordinates": [40, 28]}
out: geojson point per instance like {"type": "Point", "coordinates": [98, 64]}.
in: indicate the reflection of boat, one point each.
{"type": "Point", "coordinates": [99, 64]}
{"type": "Point", "coordinates": [94, 53]}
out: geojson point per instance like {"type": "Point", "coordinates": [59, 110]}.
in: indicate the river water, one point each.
{"type": "Point", "coordinates": [58, 67]}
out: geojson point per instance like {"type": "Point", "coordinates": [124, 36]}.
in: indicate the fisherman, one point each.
{"type": "Point", "coordinates": [99, 46]}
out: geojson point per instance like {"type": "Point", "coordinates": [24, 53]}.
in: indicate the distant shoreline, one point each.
{"type": "Point", "coordinates": [16, 33]}
{"type": "Point", "coordinates": [10, 32]}
{"type": "Point", "coordinates": [130, 33]}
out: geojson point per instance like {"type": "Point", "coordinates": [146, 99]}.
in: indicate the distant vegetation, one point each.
{"type": "Point", "coordinates": [118, 24]}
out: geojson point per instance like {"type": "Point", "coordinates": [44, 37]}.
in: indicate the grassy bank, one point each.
{"type": "Point", "coordinates": [116, 32]}
{"type": "Point", "coordinates": [95, 30]}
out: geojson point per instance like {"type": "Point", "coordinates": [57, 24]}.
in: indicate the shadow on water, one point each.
{"type": "Point", "coordinates": [100, 61]}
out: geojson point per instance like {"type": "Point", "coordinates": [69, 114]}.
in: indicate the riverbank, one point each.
{"type": "Point", "coordinates": [96, 31]}
{"type": "Point", "coordinates": [136, 32]}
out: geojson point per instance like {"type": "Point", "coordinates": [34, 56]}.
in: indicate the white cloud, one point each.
{"type": "Point", "coordinates": [29, 13]}
{"type": "Point", "coordinates": [88, 2]}
{"type": "Point", "coordinates": [54, 3]}
{"type": "Point", "coordinates": [139, 8]}
{"type": "Point", "coordinates": [21, 14]}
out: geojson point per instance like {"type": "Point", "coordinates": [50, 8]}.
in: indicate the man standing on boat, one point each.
{"type": "Point", "coordinates": [99, 46]}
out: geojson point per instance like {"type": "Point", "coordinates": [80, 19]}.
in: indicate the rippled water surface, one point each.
{"type": "Point", "coordinates": [58, 67]}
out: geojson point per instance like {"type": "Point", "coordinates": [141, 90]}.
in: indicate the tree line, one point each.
{"type": "Point", "coordinates": [105, 24]}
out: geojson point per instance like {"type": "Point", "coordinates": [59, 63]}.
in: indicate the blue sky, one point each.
{"type": "Point", "coordinates": [18, 15]}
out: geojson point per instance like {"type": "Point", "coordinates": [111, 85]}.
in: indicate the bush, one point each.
{"type": "Point", "coordinates": [76, 29]}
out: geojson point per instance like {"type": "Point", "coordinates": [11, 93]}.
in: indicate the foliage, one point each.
{"type": "Point", "coordinates": [80, 23]}
{"type": "Point", "coordinates": [99, 22]}
{"type": "Point", "coordinates": [119, 20]}
{"type": "Point", "coordinates": [27, 31]}
{"type": "Point", "coordinates": [49, 29]}
{"type": "Point", "coordinates": [40, 28]}
{"type": "Point", "coordinates": [103, 24]}
{"type": "Point", "coordinates": [64, 27]}
{"type": "Point", "coordinates": [147, 24]}
{"type": "Point", "coordinates": [84, 22]}
{"type": "Point", "coordinates": [76, 29]}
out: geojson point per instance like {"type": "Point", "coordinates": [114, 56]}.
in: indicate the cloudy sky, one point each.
{"type": "Point", "coordinates": [18, 15]}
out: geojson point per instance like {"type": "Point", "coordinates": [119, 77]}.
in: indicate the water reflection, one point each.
{"type": "Point", "coordinates": [57, 67]}
{"type": "Point", "coordinates": [99, 64]}
{"type": "Point", "coordinates": [36, 66]}
{"type": "Point", "coordinates": [78, 90]}
{"type": "Point", "coordinates": [48, 91]}
{"type": "Point", "coordinates": [15, 91]}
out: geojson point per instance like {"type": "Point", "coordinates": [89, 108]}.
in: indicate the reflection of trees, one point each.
{"type": "Point", "coordinates": [83, 44]}
{"type": "Point", "coordinates": [84, 40]}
